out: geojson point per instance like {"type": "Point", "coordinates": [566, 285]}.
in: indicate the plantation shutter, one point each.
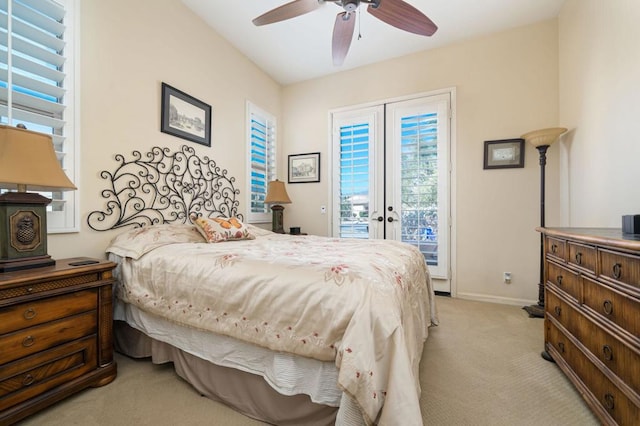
{"type": "Point", "coordinates": [34, 70]}
{"type": "Point", "coordinates": [354, 180]}
{"type": "Point", "coordinates": [262, 159]}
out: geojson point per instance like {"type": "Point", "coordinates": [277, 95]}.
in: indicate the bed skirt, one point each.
{"type": "Point", "coordinates": [247, 393]}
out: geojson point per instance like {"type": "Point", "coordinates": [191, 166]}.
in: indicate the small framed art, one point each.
{"type": "Point", "coordinates": [304, 168]}
{"type": "Point", "coordinates": [185, 116]}
{"type": "Point", "coordinates": [504, 154]}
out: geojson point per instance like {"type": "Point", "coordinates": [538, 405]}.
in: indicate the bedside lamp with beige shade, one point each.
{"type": "Point", "coordinates": [541, 139]}
{"type": "Point", "coordinates": [276, 195]}
{"type": "Point", "coordinates": [27, 161]}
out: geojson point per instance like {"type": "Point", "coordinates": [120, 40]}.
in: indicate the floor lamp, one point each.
{"type": "Point", "coordinates": [541, 139]}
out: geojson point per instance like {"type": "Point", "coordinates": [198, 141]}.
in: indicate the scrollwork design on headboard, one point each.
{"type": "Point", "coordinates": [164, 187]}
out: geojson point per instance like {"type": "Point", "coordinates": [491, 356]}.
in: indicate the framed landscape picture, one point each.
{"type": "Point", "coordinates": [503, 154]}
{"type": "Point", "coordinates": [185, 116]}
{"type": "Point", "coordinates": [304, 168]}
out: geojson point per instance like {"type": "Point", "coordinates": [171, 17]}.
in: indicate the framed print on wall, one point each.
{"type": "Point", "coordinates": [504, 154]}
{"type": "Point", "coordinates": [184, 116]}
{"type": "Point", "coordinates": [304, 168]}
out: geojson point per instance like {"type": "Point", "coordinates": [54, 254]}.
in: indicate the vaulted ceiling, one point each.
{"type": "Point", "coordinates": [300, 48]}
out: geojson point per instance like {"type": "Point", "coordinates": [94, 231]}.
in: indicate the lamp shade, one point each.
{"type": "Point", "coordinates": [544, 136]}
{"type": "Point", "coordinates": [277, 193]}
{"type": "Point", "coordinates": [28, 161]}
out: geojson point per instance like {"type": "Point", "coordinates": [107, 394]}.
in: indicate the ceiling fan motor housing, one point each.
{"type": "Point", "coordinates": [350, 5]}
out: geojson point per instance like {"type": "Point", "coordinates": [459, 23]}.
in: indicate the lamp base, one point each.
{"type": "Point", "coordinates": [277, 224]}
{"type": "Point", "coordinates": [28, 263]}
{"type": "Point", "coordinates": [23, 231]}
{"type": "Point", "coordinates": [535, 311]}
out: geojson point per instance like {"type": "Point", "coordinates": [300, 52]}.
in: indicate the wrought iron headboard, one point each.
{"type": "Point", "coordinates": [164, 187]}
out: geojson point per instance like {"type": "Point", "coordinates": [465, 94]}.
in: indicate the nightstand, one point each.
{"type": "Point", "coordinates": [56, 334]}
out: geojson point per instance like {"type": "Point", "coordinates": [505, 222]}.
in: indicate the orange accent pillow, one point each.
{"type": "Point", "coordinates": [219, 229]}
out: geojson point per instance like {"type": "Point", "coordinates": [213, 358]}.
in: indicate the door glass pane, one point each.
{"type": "Point", "coordinates": [419, 183]}
{"type": "Point", "coordinates": [354, 181]}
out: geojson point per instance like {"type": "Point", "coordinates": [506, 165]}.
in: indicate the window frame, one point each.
{"type": "Point", "coordinates": [67, 220]}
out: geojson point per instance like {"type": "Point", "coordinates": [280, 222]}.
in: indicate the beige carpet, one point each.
{"type": "Point", "coordinates": [481, 366]}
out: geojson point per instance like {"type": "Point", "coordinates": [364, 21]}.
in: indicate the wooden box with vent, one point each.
{"type": "Point", "coordinates": [55, 334]}
{"type": "Point", "coordinates": [592, 317]}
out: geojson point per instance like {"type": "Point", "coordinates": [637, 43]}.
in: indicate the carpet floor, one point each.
{"type": "Point", "coordinates": [480, 366]}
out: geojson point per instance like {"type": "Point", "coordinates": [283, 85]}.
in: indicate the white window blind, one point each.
{"type": "Point", "coordinates": [36, 85]}
{"type": "Point", "coordinates": [261, 128]}
{"type": "Point", "coordinates": [354, 180]}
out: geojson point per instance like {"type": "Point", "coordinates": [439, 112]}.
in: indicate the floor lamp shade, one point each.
{"type": "Point", "coordinates": [27, 161]}
{"type": "Point", "coordinates": [276, 195]}
{"type": "Point", "coordinates": [541, 139]}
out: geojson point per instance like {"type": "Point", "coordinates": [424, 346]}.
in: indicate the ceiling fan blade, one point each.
{"type": "Point", "coordinates": [401, 14]}
{"type": "Point", "coordinates": [342, 36]}
{"type": "Point", "coordinates": [287, 11]}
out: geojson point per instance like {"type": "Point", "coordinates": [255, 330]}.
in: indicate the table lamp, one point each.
{"type": "Point", "coordinates": [27, 161]}
{"type": "Point", "coordinates": [541, 139]}
{"type": "Point", "coordinates": [276, 195]}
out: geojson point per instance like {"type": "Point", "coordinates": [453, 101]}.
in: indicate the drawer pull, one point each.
{"type": "Point", "coordinates": [607, 306]}
{"type": "Point", "coordinates": [29, 314]}
{"type": "Point", "coordinates": [617, 271]}
{"type": "Point", "coordinates": [607, 352]}
{"type": "Point", "coordinates": [578, 258]}
{"type": "Point", "coordinates": [554, 248]}
{"type": "Point", "coordinates": [609, 401]}
{"type": "Point", "coordinates": [28, 380]}
{"type": "Point", "coordinates": [561, 347]}
{"type": "Point", "coordinates": [28, 341]}
{"type": "Point", "coordinates": [557, 310]}
{"type": "Point", "coordinates": [559, 279]}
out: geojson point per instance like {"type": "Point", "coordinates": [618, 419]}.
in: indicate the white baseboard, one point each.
{"type": "Point", "coordinates": [496, 299]}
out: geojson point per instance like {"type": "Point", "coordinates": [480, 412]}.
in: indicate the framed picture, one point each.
{"type": "Point", "coordinates": [304, 168]}
{"type": "Point", "coordinates": [185, 116]}
{"type": "Point", "coordinates": [504, 154]}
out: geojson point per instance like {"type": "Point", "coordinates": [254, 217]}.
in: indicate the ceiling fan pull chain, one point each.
{"type": "Point", "coordinates": [359, 21]}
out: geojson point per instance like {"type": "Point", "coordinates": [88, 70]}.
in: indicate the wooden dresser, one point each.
{"type": "Point", "coordinates": [592, 316]}
{"type": "Point", "coordinates": [56, 334]}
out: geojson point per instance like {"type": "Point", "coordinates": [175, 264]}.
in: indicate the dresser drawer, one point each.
{"type": "Point", "coordinates": [41, 337]}
{"type": "Point", "coordinates": [602, 391]}
{"type": "Point", "coordinates": [615, 354]}
{"type": "Point", "coordinates": [582, 256]}
{"type": "Point", "coordinates": [555, 248]}
{"type": "Point", "coordinates": [620, 267]}
{"type": "Point", "coordinates": [562, 311]}
{"type": "Point", "coordinates": [44, 310]}
{"type": "Point", "coordinates": [612, 305]}
{"type": "Point", "coordinates": [34, 375]}
{"type": "Point", "coordinates": [564, 279]}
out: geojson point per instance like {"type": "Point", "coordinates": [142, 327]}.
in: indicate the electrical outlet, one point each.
{"type": "Point", "coordinates": [507, 277]}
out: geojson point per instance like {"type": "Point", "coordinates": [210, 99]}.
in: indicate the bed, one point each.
{"type": "Point", "coordinates": [286, 329]}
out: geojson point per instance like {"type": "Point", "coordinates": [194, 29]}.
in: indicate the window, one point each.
{"type": "Point", "coordinates": [261, 137]}
{"type": "Point", "coordinates": [37, 86]}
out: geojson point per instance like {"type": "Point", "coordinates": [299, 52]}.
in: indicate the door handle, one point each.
{"type": "Point", "coordinates": [389, 219]}
{"type": "Point", "coordinates": [380, 219]}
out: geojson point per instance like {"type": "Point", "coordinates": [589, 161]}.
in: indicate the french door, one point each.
{"type": "Point", "coordinates": [391, 177]}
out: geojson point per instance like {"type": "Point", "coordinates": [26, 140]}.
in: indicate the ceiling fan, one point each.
{"type": "Point", "coordinates": [397, 13]}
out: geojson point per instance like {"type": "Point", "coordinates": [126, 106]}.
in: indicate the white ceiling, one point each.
{"type": "Point", "coordinates": [300, 48]}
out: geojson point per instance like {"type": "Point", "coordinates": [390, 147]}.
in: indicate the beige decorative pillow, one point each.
{"type": "Point", "coordinates": [219, 229]}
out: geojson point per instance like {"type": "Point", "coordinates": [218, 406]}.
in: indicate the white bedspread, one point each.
{"type": "Point", "coordinates": [365, 304]}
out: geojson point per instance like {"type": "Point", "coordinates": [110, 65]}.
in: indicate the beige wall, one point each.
{"type": "Point", "coordinates": [127, 49]}
{"type": "Point", "coordinates": [600, 104]}
{"type": "Point", "coordinates": [507, 84]}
